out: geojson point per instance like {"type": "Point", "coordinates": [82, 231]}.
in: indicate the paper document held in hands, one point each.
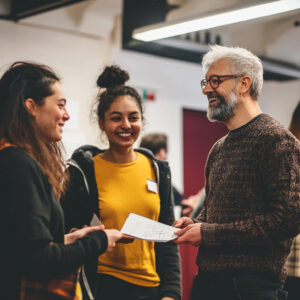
{"type": "Point", "coordinates": [147, 229]}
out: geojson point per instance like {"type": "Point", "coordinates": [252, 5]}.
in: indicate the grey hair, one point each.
{"type": "Point", "coordinates": [242, 62]}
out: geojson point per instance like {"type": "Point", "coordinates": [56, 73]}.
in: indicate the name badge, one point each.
{"type": "Point", "coordinates": [152, 186]}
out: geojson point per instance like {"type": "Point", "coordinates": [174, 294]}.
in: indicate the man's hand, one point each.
{"type": "Point", "coordinates": [183, 222]}
{"type": "Point", "coordinates": [191, 234]}
{"type": "Point", "coordinates": [167, 298]}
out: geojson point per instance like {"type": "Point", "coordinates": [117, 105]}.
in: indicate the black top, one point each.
{"type": "Point", "coordinates": [32, 227]}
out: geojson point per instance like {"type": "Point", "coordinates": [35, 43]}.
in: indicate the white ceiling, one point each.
{"type": "Point", "coordinates": [276, 37]}
{"type": "Point", "coordinates": [95, 18]}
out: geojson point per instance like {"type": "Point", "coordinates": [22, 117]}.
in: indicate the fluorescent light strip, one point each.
{"type": "Point", "coordinates": [161, 30]}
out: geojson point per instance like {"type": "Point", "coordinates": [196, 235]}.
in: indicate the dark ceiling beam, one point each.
{"type": "Point", "coordinates": [5, 9]}
{"type": "Point", "coordinates": [25, 8]}
{"type": "Point", "coordinates": [137, 13]}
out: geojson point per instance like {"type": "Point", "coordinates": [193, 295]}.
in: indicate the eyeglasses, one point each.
{"type": "Point", "coordinates": [215, 80]}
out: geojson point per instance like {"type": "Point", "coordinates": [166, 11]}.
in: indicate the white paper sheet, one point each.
{"type": "Point", "coordinates": [147, 229]}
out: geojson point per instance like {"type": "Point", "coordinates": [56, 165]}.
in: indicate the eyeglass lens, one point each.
{"type": "Point", "coordinates": [214, 82]}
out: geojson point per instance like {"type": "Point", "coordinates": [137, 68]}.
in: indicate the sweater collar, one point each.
{"type": "Point", "coordinates": [234, 131]}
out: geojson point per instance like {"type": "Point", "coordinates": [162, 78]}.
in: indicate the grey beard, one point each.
{"type": "Point", "coordinates": [224, 110]}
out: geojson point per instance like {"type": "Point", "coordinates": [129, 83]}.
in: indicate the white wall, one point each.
{"type": "Point", "coordinates": [279, 99]}
{"type": "Point", "coordinates": [79, 59]}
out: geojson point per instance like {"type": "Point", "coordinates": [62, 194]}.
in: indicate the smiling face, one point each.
{"type": "Point", "coordinates": [223, 99]}
{"type": "Point", "coordinates": [51, 116]}
{"type": "Point", "coordinates": [122, 122]}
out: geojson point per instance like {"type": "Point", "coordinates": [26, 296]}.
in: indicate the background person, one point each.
{"type": "Point", "coordinates": [252, 204]}
{"type": "Point", "coordinates": [157, 143]}
{"type": "Point", "coordinates": [117, 181]}
{"type": "Point", "coordinates": [292, 284]}
{"type": "Point", "coordinates": [35, 253]}
{"type": "Point", "coordinates": [193, 204]}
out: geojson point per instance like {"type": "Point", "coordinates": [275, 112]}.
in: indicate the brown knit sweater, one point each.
{"type": "Point", "coordinates": [252, 207]}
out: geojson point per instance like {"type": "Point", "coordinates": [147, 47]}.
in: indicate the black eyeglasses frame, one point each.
{"type": "Point", "coordinates": [204, 82]}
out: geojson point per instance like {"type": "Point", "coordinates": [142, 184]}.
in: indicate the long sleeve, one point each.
{"type": "Point", "coordinates": [35, 219]}
{"type": "Point", "coordinates": [55, 259]}
{"type": "Point", "coordinates": [278, 219]}
{"type": "Point", "coordinates": [252, 204]}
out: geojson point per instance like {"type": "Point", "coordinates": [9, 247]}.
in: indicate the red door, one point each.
{"type": "Point", "coordinates": [199, 135]}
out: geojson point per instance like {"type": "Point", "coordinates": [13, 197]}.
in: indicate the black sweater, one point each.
{"type": "Point", "coordinates": [32, 227]}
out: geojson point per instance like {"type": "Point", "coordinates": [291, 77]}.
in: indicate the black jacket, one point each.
{"type": "Point", "coordinates": [81, 201]}
{"type": "Point", "coordinates": [32, 228]}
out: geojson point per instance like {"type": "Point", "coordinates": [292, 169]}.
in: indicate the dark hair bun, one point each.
{"type": "Point", "coordinates": [112, 76]}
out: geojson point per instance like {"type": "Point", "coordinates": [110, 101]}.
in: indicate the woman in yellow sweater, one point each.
{"type": "Point", "coordinates": [119, 181]}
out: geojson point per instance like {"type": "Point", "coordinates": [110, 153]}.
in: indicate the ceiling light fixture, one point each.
{"type": "Point", "coordinates": [169, 29]}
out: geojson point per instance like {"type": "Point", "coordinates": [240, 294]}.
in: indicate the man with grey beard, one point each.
{"type": "Point", "coordinates": [252, 205]}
